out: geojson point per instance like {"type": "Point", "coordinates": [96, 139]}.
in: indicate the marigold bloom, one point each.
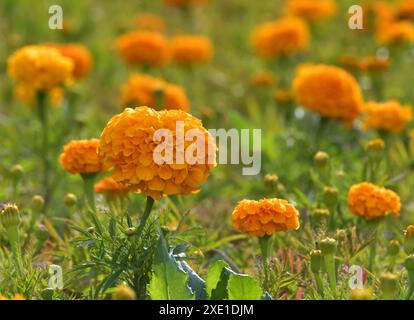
{"type": "Point", "coordinates": [128, 145]}
{"type": "Point", "coordinates": [283, 96]}
{"type": "Point", "coordinates": [311, 10]}
{"type": "Point", "coordinates": [146, 48]}
{"type": "Point", "coordinates": [387, 116]}
{"type": "Point", "coordinates": [39, 67]}
{"type": "Point", "coordinates": [372, 202]}
{"type": "Point", "coordinates": [110, 188]}
{"type": "Point", "coordinates": [80, 156]}
{"type": "Point", "coordinates": [16, 297]}
{"type": "Point", "coordinates": [79, 55]}
{"type": "Point", "coordinates": [395, 33]}
{"type": "Point", "coordinates": [27, 94]}
{"type": "Point", "coordinates": [150, 22]}
{"type": "Point", "coordinates": [265, 217]}
{"type": "Point", "coordinates": [141, 90]}
{"type": "Point", "coordinates": [282, 37]}
{"type": "Point", "coordinates": [405, 9]}
{"type": "Point", "coordinates": [189, 50]}
{"type": "Point", "coordinates": [328, 90]}
{"type": "Point", "coordinates": [263, 79]}
{"type": "Point", "coordinates": [373, 64]}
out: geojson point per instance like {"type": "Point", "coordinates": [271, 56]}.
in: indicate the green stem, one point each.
{"type": "Point", "coordinates": [42, 113]}
{"type": "Point", "coordinates": [14, 239]}
{"type": "Point", "coordinates": [331, 270]}
{"type": "Point", "coordinates": [265, 249]}
{"type": "Point", "coordinates": [319, 283]}
{"type": "Point", "coordinates": [88, 183]}
{"type": "Point", "coordinates": [410, 285]}
{"type": "Point", "coordinates": [147, 212]}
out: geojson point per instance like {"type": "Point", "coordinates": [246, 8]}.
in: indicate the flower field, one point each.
{"type": "Point", "coordinates": [207, 150]}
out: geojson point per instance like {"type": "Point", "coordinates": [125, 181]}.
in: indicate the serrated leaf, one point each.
{"type": "Point", "coordinates": [169, 281]}
{"type": "Point", "coordinates": [243, 287]}
{"type": "Point", "coordinates": [197, 284]}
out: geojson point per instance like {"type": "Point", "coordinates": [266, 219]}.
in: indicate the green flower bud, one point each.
{"type": "Point", "coordinates": [38, 203]}
{"type": "Point", "coordinates": [389, 285]}
{"type": "Point", "coordinates": [9, 215]}
{"type": "Point", "coordinates": [330, 196]}
{"type": "Point", "coordinates": [91, 230]}
{"type": "Point", "coordinates": [340, 235]}
{"type": "Point", "coordinates": [123, 292]}
{"type": "Point", "coordinates": [131, 231]}
{"type": "Point", "coordinates": [16, 172]}
{"type": "Point", "coordinates": [270, 183]}
{"type": "Point", "coordinates": [70, 200]}
{"type": "Point", "coordinates": [409, 263]}
{"type": "Point", "coordinates": [328, 246]}
{"type": "Point", "coordinates": [393, 247]}
{"type": "Point", "coordinates": [361, 294]}
{"type": "Point", "coordinates": [409, 240]}
{"type": "Point", "coordinates": [321, 159]}
{"type": "Point", "coordinates": [316, 260]}
{"type": "Point", "coordinates": [320, 216]}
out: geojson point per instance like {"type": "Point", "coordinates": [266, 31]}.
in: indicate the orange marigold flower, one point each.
{"type": "Point", "coordinates": [409, 231]}
{"type": "Point", "coordinates": [27, 95]}
{"type": "Point", "coordinates": [184, 3]}
{"type": "Point", "coordinates": [395, 33]}
{"type": "Point", "coordinates": [282, 37]}
{"type": "Point", "coordinates": [311, 10]}
{"type": "Point", "coordinates": [128, 145]}
{"type": "Point", "coordinates": [189, 50]}
{"type": "Point", "coordinates": [146, 48]}
{"type": "Point", "coordinates": [110, 188]}
{"type": "Point", "coordinates": [373, 64]}
{"type": "Point", "coordinates": [263, 79]}
{"type": "Point", "coordinates": [328, 90]}
{"type": "Point", "coordinates": [80, 156]}
{"type": "Point", "coordinates": [265, 217]}
{"type": "Point", "coordinates": [142, 89]}
{"type": "Point", "coordinates": [16, 297]}
{"type": "Point", "coordinates": [405, 9]}
{"type": "Point", "coordinates": [79, 55]}
{"type": "Point", "coordinates": [150, 21]}
{"type": "Point", "coordinates": [387, 116]}
{"type": "Point", "coordinates": [372, 202]}
{"type": "Point", "coordinates": [283, 96]}
{"type": "Point", "coordinates": [39, 67]}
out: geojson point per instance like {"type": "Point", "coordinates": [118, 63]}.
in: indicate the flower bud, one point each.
{"type": "Point", "coordinates": [361, 294]}
{"type": "Point", "coordinates": [270, 183]}
{"type": "Point", "coordinates": [16, 172]}
{"type": "Point", "coordinates": [321, 159]}
{"type": "Point", "coordinates": [328, 246]}
{"type": "Point", "coordinates": [91, 230]}
{"type": "Point", "coordinates": [409, 263]}
{"type": "Point", "coordinates": [70, 200]}
{"type": "Point", "coordinates": [9, 215]}
{"type": "Point", "coordinates": [393, 247]}
{"type": "Point", "coordinates": [316, 260]}
{"type": "Point", "coordinates": [130, 231]}
{"type": "Point", "coordinates": [375, 149]}
{"type": "Point", "coordinates": [389, 285]}
{"type": "Point", "coordinates": [409, 240]}
{"type": "Point", "coordinates": [330, 196]}
{"type": "Point", "coordinates": [123, 292]}
{"type": "Point", "coordinates": [340, 235]}
{"type": "Point", "coordinates": [320, 216]}
{"type": "Point", "coordinates": [38, 203]}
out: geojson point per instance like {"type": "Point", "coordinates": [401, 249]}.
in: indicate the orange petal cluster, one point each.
{"type": "Point", "coordinates": [189, 50]}
{"type": "Point", "coordinates": [110, 188]}
{"type": "Point", "coordinates": [311, 10]}
{"type": "Point", "coordinates": [388, 116]}
{"type": "Point", "coordinates": [141, 90]}
{"type": "Point", "coordinates": [150, 22]}
{"type": "Point", "coordinates": [372, 202]}
{"type": "Point", "coordinates": [396, 33]}
{"type": "Point", "coordinates": [265, 217]}
{"type": "Point", "coordinates": [80, 156]}
{"type": "Point", "coordinates": [142, 47]}
{"type": "Point", "coordinates": [282, 37]}
{"type": "Point", "coordinates": [128, 145]}
{"type": "Point", "coordinates": [328, 90]}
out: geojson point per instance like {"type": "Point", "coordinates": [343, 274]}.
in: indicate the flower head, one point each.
{"type": "Point", "coordinates": [388, 116]}
{"type": "Point", "coordinates": [142, 89]}
{"type": "Point", "coordinates": [150, 22]}
{"type": "Point", "coordinates": [311, 10]}
{"type": "Point", "coordinates": [190, 50]}
{"type": "Point", "coordinates": [395, 33]}
{"type": "Point", "coordinates": [146, 48]}
{"type": "Point", "coordinates": [110, 188]}
{"type": "Point", "coordinates": [263, 79]}
{"type": "Point", "coordinates": [129, 145]}
{"type": "Point", "coordinates": [328, 90]}
{"type": "Point", "coordinates": [282, 37]}
{"type": "Point", "coordinates": [265, 217]}
{"type": "Point", "coordinates": [9, 215]}
{"type": "Point", "coordinates": [80, 156]}
{"type": "Point", "coordinates": [372, 202]}
{"type": "Point", "coordinates": [39, 67]}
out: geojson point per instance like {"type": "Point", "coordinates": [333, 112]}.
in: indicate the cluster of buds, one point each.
{"type": "Point", "coordinates": [273, 186]}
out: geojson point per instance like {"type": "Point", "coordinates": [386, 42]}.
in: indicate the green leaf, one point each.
{"type": "Point", "coordinates": [243, 287]}
{"type": "Point", "coordinates": [169, 281]}
{"type": "Point", "coordinates": [217, 278]}
{"type": "Point", "coordinates": [197, 284]}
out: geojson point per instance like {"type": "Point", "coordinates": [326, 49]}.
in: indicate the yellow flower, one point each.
{"type": "Point", "coordinates": [39, 67]}
{"type": "Point", "coordinates": [27, 94]}
{"type": "Point", "coordinates": [265, 217]}
{"type": "Point", "coordinates": [80, 156]}
{"type": "Point", "coordinates": [311, 10]}
{"type": "Point", "coordinates": [263, 79]}
{"type": "Point", "coordinates": [387, 116]}
{"type": "Point", "coordinates": [328, 90]}
{"type": "Point", "coordinates": [128, 145]}
{"type": "Point", "coordinates": [146, 48]}
{"type": "Point", "coordinates": [395, 33]}
{"type": "Point", "coordinates": [282, 37]}
{"type": "Point", "coordinates": [150, 22]}
{"type": "Point", "coordinates": [79, 55]}
{"type": "Point", "coordinates": [372, 202]}
{"type": "Point", "coordinates": [142, 89]}
{"type": "Point", "coordinates": [110, 188]}
{"type": "Point", "coordinates": [188, 50]}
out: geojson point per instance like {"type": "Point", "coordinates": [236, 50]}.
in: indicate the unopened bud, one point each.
{"type": "Point", "coordinates": [409, 263]}
{"type": "Point", "coordinates": [16, 172]}
{"type": "Point", "coordinates": [320, 216]}
{"type": "Point", "coordinates": [389, 285]}
{"type": "Point", "coordinates": [328, 246]}
{"type": "Point", "coordinates": [330, 196]}
{"type": "Point", "coordinates": [38, 203]}
{"type": "Point", "coordinates": [376, 145]}
{"type": "Point", "coordinates": [393, 247]}
{"type": "Point", "coordinates": [316, 260]}
{"type": "Point", "coordinates": [123, 292]}
{"type": "Point", "coordinates": [9, 215]}
{"type": "Point", "coordinates": [361, 294]}
{"type": "Point", "coordinates": [131, 231]}
{"type": "Point", "coordinates": [70, 200]}
{"type": "Point", "coordinates": [340, 235]}
{"type": "Point", "coordinates": [91, 230]}
{"type": "Point", "coordinates": [321, 159]}
{"type": "Point", "coordinates": [409, 240]}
